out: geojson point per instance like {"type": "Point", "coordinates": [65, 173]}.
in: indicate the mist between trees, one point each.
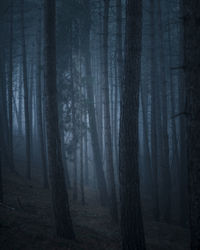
{"type": "Point", "coordinates": [102, 97]}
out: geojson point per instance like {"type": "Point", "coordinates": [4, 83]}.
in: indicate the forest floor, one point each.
{"type": "Point", "coordinates": [26, 223]}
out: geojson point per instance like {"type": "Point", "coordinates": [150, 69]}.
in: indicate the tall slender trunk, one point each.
{"type": "Point", "coordinates": [184, 199]}
{"type": "Point", "coordinates": [39, 111]}
{"type": "Point", "coordinates": [192, 78]}
{"type": "Point", "coordinates": [86, 144]}
{"type": "Point", "coordinates": [119, 73]}
{"type": "Point", "coordinates": [101, 182]}
{"type": "Point", "coordinates": [30, 100]}
{"type": "Point", "coordinates": [10, 92]}
{"type": "Point", "coordinates": [2, 117]}
{"type": "Point", "coordinates": [166, 176]}
{"type": "Point", "coordinates": [20, 101]}
{"type": "Point", "coordinates": [100, 90]}
{"type": "Point", "coordinates": [74, 132]}
{"type": "Point", "coordinates": [81, 158]}
{"type": "Point", "coordinates": [175, 157]}
{"type": "Point", "coordinates": [60, 203]}
{"type": "Point", "coordinates": [154, 114]}
{"type": "Point", "coordinates": [131, 215]}
{"type": "Point", "coordinates": [148, 169]}
{"type": "Point", "coordinates": [26, 102]}
{"type": "Point", "coordinates": [108, 136]}
{"type": "Point", "coordinates": [1, 179]}
{"type": "Point", "coordinates": [4, 111]}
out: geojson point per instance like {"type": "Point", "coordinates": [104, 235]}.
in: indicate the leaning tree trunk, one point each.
{"type": "Point", "coordinates": [192, 78]}
{"type": "Point", "coordinates": [108, 136]}
{"type": "Point", "coordinates": [26, 105]}
{"type": "Point", "coordinates": [131, 215]}
{"type": "Point", "coordinates": [60, 201]}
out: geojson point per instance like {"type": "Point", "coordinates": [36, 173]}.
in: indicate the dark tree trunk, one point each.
{"type": "Point", "coordinates": [39, 112]}
{"type": "Point", "coordinates": [131, 215]}
{"type": "Point", "coordinates": [1, 180]}
{"type": "Point", "coordinates": [60, 203]}
{"type": "Point", "coordinates": [192, 78]}
{"type": "Point", "coordinates": [74, 130]}
{"type": "Point", "coordinates": [26, 103]}
{"type": "Point", "coordinates": [86, 175]}
{"type": "Point", "coordinates": [166, 175]}
{"type": "Point", "coordinates": [30, 99]}
{"type": "Point", "coordinates": [184, 199]}
{"type": "Point", "coordinates": [20, 101]}
{"type": "Point", "coordinates": [108, 136]}
{"type": "Point", "coordinates": [81, 159]}
{"type": "Point", "coordinates": [119, 74]}
{"type": "Point", "coordinates": [148, 178]}
{"type": "Point", "coordinates": [4, 112]}
{"type": "Point", "coordinates": [154, 144]}
{"type": "Point", "coordinates": [10, 92]}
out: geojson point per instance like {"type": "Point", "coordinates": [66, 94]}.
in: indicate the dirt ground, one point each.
{"type": "Point", "coordinates": [26, 223]}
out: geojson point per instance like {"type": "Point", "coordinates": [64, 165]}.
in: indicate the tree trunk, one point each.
{"type": "Point", "coordinates": [148, 178]}
{"type": "Point", "coordinates": [154, 127]}
{"type": "Point", "coordinates": [131, 215]}
{"type": "Point", "coordinates": [108, 136]}
{"type": "Point", "coordinates": [119, 74]}
{"type": "Point", "coordinates": [81, 159]}
{"type": "Point", "coordinates": [39, 112]}
{"type": "Point", "coordinates": [86, 145]}
{"type": "Point", "coordinates": [10, 93]}
{"type": "Point", "coordinates": [26, 103]}
{"type": "Point", "coordinates": [60, 203]}
{"type": "Point", "coordinates": [20, 101]}
{"type": "Point", "coordinates": [101, 182]}
{"type": "Point", "coordinates": [184, 199]}
{"type": "Point", "coordinates": [192, 79]}
{"type": "Point", "coordinates": [166, 176]}
{"type": "Point", "coordinates": [74, 132]}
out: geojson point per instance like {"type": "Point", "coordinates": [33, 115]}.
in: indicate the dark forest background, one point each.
{"type": "Point", "coordinates": [100, 124]}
